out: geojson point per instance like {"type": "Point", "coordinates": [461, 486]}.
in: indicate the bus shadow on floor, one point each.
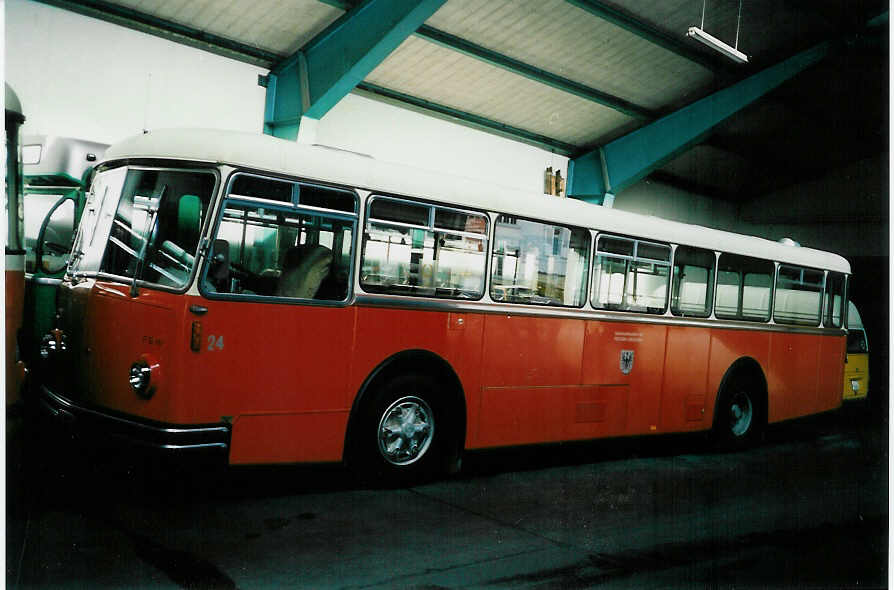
{"type": "Point", "coordinates": [69, 472]}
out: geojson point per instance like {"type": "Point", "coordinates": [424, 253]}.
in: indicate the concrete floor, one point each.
{"type": "Point", "coordinates": [807, 508]}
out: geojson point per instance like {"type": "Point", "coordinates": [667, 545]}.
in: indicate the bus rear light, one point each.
{"type": "Point", "coordinates": [195, 341]}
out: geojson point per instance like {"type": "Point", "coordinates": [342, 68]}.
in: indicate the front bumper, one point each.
{"type": "Point", "coordinates": [104, 424]}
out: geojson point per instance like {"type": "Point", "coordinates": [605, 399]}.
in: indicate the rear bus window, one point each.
{"type": "Point", "coordinates": [630, 275]}
{"type": "Point", "coordinates": [539, 263]}
{"type": "Point", "coordinates": [834, 299]}
{"type": "Point", "coordinates": [422, 250]}
{"type": "Point", "coordinates": [798, 292]}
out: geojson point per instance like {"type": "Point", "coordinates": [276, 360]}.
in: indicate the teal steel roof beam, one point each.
{"type": "Point", "coordinates": [528, 71]}
{"type": "Point", "coordinates": [651, 34]}
{"type": "Point", "coordinates": [465, 118]}
{"type": "Point", "coordinates": [624, 161]}
{"type": "Point", "coordinates": [147, 23]}
{"type": "Point", "coordinates": [515, 66]}
{"type": "Point", "coordinates": [313, 80]}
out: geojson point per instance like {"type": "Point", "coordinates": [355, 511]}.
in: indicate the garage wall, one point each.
{"type": "Point", "coordinates": [654, 198]}
{"type": "Point", "coordinates": [845, 211]}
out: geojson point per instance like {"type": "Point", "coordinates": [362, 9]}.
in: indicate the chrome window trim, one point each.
{"type": "Point", "coordinates": [450, 232]}
{"type": "Point", "coordinates": [517, 309]}
{"type": "Point", "coordinates": [287, 205]}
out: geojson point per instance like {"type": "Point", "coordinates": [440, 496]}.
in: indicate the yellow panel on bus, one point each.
{"type": "Point", "coordinates": [856, 368]}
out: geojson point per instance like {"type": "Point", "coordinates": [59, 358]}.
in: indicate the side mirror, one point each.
{"type": "Point", "coordinates": [219, 265]}
{"type": "Point", "coordinates": [55, 238]}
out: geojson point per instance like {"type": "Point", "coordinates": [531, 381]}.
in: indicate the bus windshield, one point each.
{"type": "Point", "coordinates": [144, 223]}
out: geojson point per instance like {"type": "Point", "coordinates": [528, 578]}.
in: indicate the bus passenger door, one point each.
{"type": "Point", "coordinates": [271, 341]}
{"type": "Point", "coordinates": [276, 371]}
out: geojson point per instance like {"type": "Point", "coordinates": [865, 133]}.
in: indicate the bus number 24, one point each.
{"type": "Point", "coordinates": [215, 343]}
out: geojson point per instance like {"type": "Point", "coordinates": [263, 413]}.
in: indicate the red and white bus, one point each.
{"type": "Point", "coordinates": [15, 250]}
{"type": "Point", "coordinates": [293, 303]}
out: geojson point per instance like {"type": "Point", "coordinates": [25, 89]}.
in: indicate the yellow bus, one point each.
{"type": "Point", "coordinates": [856, 364]}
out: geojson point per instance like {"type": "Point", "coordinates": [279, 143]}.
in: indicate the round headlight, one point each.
{"type": "Point", "coordinates": [141, 379]}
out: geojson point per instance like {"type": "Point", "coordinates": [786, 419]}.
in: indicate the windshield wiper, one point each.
{"type": "Point", "coordinates": [150, 205]}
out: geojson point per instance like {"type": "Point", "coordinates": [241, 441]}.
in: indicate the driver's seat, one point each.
{"type": "Point", "coordinates": [304, 269]}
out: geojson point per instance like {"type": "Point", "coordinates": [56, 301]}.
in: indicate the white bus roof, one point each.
{"type": "Point", "coordinates": [266, 153]}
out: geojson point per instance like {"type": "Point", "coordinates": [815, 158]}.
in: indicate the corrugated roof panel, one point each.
{"type": "Point", "coordinates": [560, 38]}
{"type": "Point", "coordinates": [280, 26]}
{"type": "Point", "coordinates": [436, 74]}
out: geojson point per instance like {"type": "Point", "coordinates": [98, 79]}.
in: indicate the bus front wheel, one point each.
{"type": "Point", "coordinates": [403, 433]}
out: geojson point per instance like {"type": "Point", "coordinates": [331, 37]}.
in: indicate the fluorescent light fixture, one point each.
{"type": "Point", "coordinates": [718, 45]}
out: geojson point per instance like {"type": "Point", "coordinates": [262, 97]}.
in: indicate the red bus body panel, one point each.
{"type": "Point", "coordinates": [286, 375]}
{"type": "Point", "coordinates": [15, 299]}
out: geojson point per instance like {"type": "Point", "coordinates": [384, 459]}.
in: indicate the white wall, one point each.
{"type": "Point", "coordinates": [81, 77]}
{"type": "Point", "coordinates": [399, 135]}
{"type": "Point", "coordinates": [654, 198]}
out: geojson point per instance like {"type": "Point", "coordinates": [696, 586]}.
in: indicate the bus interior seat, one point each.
{"type": "Point", "coordinates": [616, 288]}
{"type": "Point", "coordinates": [304, 269]}
{"type": "Point", "coordinates": [189, 219]}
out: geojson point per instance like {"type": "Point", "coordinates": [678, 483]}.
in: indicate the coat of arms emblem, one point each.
{"type": "Point", "coordinates": [626, 361]}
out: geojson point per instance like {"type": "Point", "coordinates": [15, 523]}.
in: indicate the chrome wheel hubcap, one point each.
{"type": "Point", "coordinates": [741, 412]}
{"type": "Point", "coordinates": [406, 430]}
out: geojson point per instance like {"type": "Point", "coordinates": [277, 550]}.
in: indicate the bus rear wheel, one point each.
{"type": "Point", "coordinates": [403, 433]}
{"type": "Point", "coordinates": [738, 418]}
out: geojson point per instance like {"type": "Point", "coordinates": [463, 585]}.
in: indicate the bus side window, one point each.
{"type": "Point", "coordinates": [692, 292]}
{"type": "Point", "coordinates": [630, 275]}
{"type": "Point", "coordinates": [422, 250]}
{"type": "Point", "coordinates": [798, 292]}
{"type": "Point", "coordinates": [743, 288]}
{"type": "Point", "coordinates": [272, 251]}
{"type": "Point", "coordinates": [538, 263]}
